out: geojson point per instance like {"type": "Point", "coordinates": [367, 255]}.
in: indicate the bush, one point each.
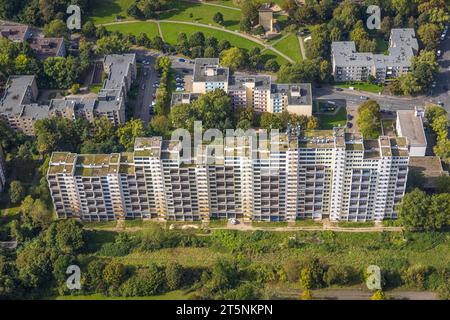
{"type": "Point", "coordinates": [174, 276]}
{"type": "Point", "coordinates": [292, 270]}
{"type": "Point", "coordinates": [146, 282]}
{"type": "Point", "coordinates": [415, 276]}
{"type": "Point", "coordinates": [340, 275]}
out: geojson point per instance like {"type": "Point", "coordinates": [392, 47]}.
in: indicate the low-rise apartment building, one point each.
{"type": "Point", "coordinates": [20, 109]}
{"type": "Point", "coordinates": [410, 125]}
{"type": "Point", "coordinates": [257, 92]}
{"type": "Point", "coordinates": [350, 65]}
{"type": "Point", "coordinates": [315, 175]}
{"type": "Point", "coordinates": [42, 46]}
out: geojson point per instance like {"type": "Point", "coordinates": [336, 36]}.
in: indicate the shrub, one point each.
{"type": "Point", "coordinates": [146, 282]}
{"type": "Point", "coordinates": [415, 276]}
{"type": "Point", "coordinates": [340, 275]}
{"type": "Point", "coordinates": [174, 275]}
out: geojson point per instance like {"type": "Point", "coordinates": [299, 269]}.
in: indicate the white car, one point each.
{"type": "Point", "coordinates": [438, 53]}
{"type": "Point", "coordinates": [233, 221]}
{"type": "Point", "coordinates": [179, 89]}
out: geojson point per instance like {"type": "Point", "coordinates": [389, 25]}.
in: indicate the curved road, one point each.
{"type": "Point", "coordinates": [248, 37]}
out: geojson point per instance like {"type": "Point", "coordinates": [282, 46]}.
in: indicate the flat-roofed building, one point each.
{"type": "Point", "coordinates": [430, 168]}
{"type": "Point", "coordinates": [15, 32]}
{"type": "Point", "coordinates": [48, 47]}
{"type": "Point", "coordinates": [209, 75]}
{"type": "Point", "coordinates": [350, 65]}
{"type": "Point", "coordinates": [294, 175]}
{"type": "Point", "coordinates": [19, 108]}
{"type": "Point", "coordinates": [410, 125]}
{"type": "Point", "coordinates": [255, 91]}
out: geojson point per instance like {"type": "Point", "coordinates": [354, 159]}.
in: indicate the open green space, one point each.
{"type": "Point", "coordinates": [172, 30]}
{"type": "Point", "coordinates": [136, 28]}
{"type": "Point", "coordinates": [290, 47]}
{"type": "Point", "coordinates": [350, 224]}
{"type": "Point", "coordinates": [363, 86]}
{"type": "Point", "coordinates": [201, 13]}
{"type": "Point", "coordinates": [328, 122]}
{"type": "Point", "coordinates": [104, 11]}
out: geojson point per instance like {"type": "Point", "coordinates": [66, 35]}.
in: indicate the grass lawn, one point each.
{"type": "Point", "coordinates": [363, 86]}
{"type": "Point", "coordinates": [328, 122]}
{"type": "Point", "coordinates": [290, 47]}
{"type": "Point", "coordinates": [308, 223]}
{"type": "Point", "coordinates": [104, 11]}
{"type": "Point", "coordinates": [200, 13]}
{"type": "Point", "coordinates": [350, 224]}
{"type": "Point", "coordinates": [171, 31]}
{"type": "Point", "coordinates": [216, 223]}
{"type": "Point", "coordinates": [189, 257]}
{"type": "Point", "coordinates": [99, 224]}
{"type": "Point", "coordinates": [136, 28]}
{"type": "Point", "coordinates": [95, 88]}
{"type": "Point", "coordinates": [172, 295]}
{"type": "Point", "coordinates": [273, 224]}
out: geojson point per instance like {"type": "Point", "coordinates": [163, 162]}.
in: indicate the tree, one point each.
{"type": "Point", "coordinates": [67, 236]}
{"type": "Point", "coordinates": [174, 275]}
{"type": "Point", "coordinates": [16, 192]}
{"type": "Point", "coordinates": [245, 25]}
{"type": "Point", "coordinates": [197, 39]}
{"type": "Point", "coordinates": [89, 29]}
{"type": "Point", "coordinates": [272, 65]}
{"type": "Point", "coordinates": [378, 295]}
{"type": "Point", "coordinates": [369, 122]}
{"type": "Point", "coordinates": [210, 52]}
{"type": "Point", "coordinates": [443, 184]}
{"type": "Point", "coordinates": [56, 28]}
{"type": "Point", "coordinates": [94, 276]}
{"type": "Point", "coordinates": [224, 275]}
{"type": "Point", "coordinates": [111, 44]}
{"type": "Point", "coordinates": [34, 265]}
{"type": "Point", "coordinates": [35, 212]}
{"type": "Point", "coordinates": [306, 278]}
{"type": "Point", "coordinates": [439, 212]}
{"type": "Point", "coordinates": [114, 274]}
{"type": "Point", "coordinates": [158, 43]}
{"type": "Point", "coordinates": [218, 18]}
{"type": "Point", "coordinates": [223, 45]}
{"type": "Point", "coordinates": [234, 58]}
{"type": "Point", "coordinates": [146, 282]}
{"type": "Point", "coordinates": [129, 131]}
{"type": "Point", "coordinates": [259, 30]}
{"type": "Point", "coordinates": [134, 11]}
{"type": "Point", "coordinates": [306, 295]}
{"type": "Point", "coordinates": [429, 34]}
{"type": "Point", "coordinates": [75, 88]}
{"type": "Point", "coordinates": [412, 212]}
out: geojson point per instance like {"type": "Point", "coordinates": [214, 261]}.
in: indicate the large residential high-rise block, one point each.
{"type": "Point", "coordinates": [318, 174]}
{"type": "Point", "coordinates": [2, 170]}
{"type": "Point", "coordinates": [257, 92]}
{"type": "Point", "coordinates": [349, 65]}
{"type": "Point", "coordinates": [19, 106]}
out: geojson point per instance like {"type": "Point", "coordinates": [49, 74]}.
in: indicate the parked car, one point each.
{"type": "Point", "coordinates": [364, 98]}
{"type": "Point", "coordinates": [182, 60]}
{"type": "Point", "coordinates": [349, 125]}
{"type": "Point", "coordinates": [438, 53]}
{"type": "Point", "coordinates": [349, 117]}
{"type": "Point", "coordinates": [339, 89]}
